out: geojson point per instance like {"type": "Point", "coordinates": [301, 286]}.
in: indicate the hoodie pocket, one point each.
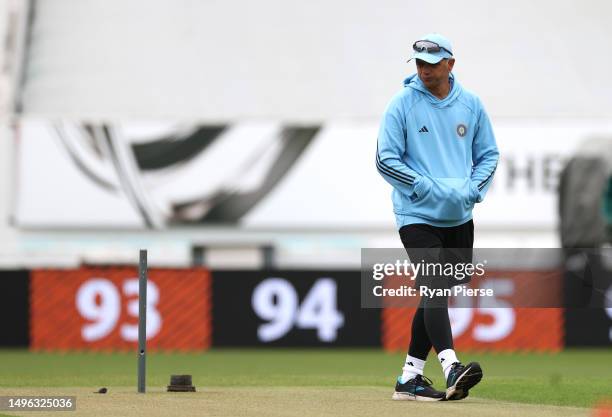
{"type": "Point", "coordinates": [447, 199]}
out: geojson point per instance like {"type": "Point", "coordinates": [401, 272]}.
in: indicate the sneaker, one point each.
{"type": "Point", "coordinates": [461, 378]}
{"type": "Point", "coordinates": [418, 388]}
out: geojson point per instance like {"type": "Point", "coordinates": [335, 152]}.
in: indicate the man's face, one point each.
{"type": "Point", "coordinates": [433, 75]}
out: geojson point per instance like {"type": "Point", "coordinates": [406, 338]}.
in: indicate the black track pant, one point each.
{"type": "Point", "coordinates": [431, 324]}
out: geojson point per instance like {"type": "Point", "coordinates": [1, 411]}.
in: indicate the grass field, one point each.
{"type": "Point", "coordinates": [305, 382]}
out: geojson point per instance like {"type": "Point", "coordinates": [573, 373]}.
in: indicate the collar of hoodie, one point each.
{"type": "Point", "coordinates": [415, 83]}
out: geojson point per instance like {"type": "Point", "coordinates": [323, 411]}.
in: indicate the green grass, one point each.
{"type": "Point", "coordinates": [578, 377]}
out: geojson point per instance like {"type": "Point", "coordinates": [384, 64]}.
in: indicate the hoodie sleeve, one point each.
{"type": "Point", "coordinates": [485, 156]}
{"type": "Point", "coordinates": [390, 149]}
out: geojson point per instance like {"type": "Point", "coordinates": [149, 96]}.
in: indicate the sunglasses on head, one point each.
{"type": "Point", "coordinates": [428, 46]}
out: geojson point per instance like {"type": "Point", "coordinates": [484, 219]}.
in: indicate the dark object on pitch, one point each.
{"type": "Point", "coordinates": [102, 390]}
{"type": "Point", "coordinates": [180, 383]}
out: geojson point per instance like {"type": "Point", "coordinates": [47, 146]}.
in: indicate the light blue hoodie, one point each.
{"type": "Point", "coordinates": [439, 155]}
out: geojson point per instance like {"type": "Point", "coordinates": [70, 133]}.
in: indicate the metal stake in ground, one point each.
{"type": "Point", "coordinates": [142, 320]}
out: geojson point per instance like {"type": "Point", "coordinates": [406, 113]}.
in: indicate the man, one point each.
{"type": "Point", "coordinates": [437, 149]}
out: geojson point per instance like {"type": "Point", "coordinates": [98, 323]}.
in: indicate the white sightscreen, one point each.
{"type": "Point", "coordinates": [309, 60]}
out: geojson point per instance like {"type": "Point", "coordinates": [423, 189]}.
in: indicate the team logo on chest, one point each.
{"type": "Point", "coordinates": [461, 129]}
